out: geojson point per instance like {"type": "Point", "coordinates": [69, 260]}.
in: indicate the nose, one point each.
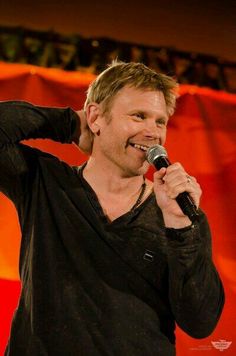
{"type": "Point", "coordinates": [151, 130]}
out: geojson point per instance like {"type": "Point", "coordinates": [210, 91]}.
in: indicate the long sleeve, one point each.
{"type": "Point", "coordinates": [196, 293]}
{"type": "Point", "coordinates": [21, 121]}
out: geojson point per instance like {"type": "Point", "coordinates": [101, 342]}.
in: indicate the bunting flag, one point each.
{"type": "Point", "coordinates": [201, 135]}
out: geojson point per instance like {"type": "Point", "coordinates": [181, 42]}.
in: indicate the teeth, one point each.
{"type": "Point", "coordinates": [144, 148]}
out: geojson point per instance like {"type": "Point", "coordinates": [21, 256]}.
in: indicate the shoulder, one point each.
{"type": "Point", "coordinates": [47, 163]}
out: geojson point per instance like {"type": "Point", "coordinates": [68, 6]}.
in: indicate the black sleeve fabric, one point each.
{"type": "Point", "coordinates": [196, 293]}
{"type": "Point", "coordinates": [19, 121]}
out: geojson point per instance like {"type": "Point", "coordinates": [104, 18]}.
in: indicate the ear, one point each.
{"type": "Point", "coordinates": [93, 117]}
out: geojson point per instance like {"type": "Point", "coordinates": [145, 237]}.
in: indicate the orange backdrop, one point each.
{"type": "Point", "coordinates": [202, 136]}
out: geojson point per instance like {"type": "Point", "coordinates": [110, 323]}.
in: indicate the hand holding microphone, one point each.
{"type": "Point", "coordinates": [173, 183]}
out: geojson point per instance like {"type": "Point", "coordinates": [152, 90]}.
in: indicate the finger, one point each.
{"type": "Point", "coordinates": [159, 176]}
{"type": "Point", "coordinates": [173, 190]}
{"type": "Point", "coordinates": [192, 188]}
{"type": "Point", "coordinates": [175, 178]}
{"type": "Point", "coordinates": [175, 167]}
{"type": "Point", "coordinates": [175, 170]}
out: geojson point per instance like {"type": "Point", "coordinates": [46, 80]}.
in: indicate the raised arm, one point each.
{"type": "Point", "coordinates": [195, 289]}
{"type": "Point", "coordinates": [21, 121]}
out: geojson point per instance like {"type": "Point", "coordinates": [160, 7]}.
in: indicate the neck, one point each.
{"type": "Point", "coordinates": [103, 179]}
{"type": "Point", "coordinates": [116, 194]}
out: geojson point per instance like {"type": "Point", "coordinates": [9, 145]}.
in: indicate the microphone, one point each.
{"type": "Point", "coordinates": [157, 156]}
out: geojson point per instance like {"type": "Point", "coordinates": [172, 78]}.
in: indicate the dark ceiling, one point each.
{"type": "Point", "coordinates": [200, 26]}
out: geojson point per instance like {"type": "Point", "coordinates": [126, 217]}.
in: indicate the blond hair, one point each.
{"type": "Point", "coordinates": [119, 74]}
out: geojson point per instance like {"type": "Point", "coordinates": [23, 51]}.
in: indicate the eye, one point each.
{"type": "Point", "coordinates": [138, 115]}
{"type": "Point", "coordinates": [161, 122]}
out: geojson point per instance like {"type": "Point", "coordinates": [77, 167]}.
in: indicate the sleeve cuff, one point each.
{"type": "Point", "coordinates": [181, 234]}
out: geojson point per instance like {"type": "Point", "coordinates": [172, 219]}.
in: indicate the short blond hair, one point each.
{"type": "Point", "coordinates": [120, 74]}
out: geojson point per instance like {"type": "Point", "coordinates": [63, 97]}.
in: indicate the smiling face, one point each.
{"type": "Point", "coordinates": [136, 121]}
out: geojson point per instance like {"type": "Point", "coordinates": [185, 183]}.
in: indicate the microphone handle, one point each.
{"type": "Point", "coordinates": [184, 200]}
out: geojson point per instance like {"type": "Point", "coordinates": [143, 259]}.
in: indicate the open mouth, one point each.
{"type": "Point", "coordinates": [140, 147]}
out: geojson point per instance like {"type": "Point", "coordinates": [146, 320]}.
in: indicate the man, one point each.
{"type": "Point", "coordinates": [108, 263]}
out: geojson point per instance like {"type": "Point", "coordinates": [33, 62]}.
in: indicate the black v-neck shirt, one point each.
{"type": "Point", "coordinates": [89, 286]}
{"type": "Point", "coordinates": [92, 197]}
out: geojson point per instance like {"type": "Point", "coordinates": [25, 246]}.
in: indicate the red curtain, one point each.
{"type": "Point", "coordinates": [202, 136]}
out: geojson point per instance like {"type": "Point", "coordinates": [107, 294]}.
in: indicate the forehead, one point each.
{"type": "Point", "coordinates": [139, 98]}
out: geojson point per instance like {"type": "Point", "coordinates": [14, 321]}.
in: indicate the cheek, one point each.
{"type": "Point", "coordinates": [132, 129]}
{"type": "Point", "coordinates": [163, 136]}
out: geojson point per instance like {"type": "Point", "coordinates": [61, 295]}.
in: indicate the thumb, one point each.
{"type": "Point", "coordinates": [159, 175]}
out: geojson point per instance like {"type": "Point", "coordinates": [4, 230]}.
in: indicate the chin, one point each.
{"type": "Point", "coordinates": [141, 170]}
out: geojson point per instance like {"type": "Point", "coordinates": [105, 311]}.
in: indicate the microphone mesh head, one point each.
{"type": "Point", "coordinates": [154, 152]}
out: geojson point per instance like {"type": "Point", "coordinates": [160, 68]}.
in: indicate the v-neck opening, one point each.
{"type": "Point", "coordinates": [92, 197]}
